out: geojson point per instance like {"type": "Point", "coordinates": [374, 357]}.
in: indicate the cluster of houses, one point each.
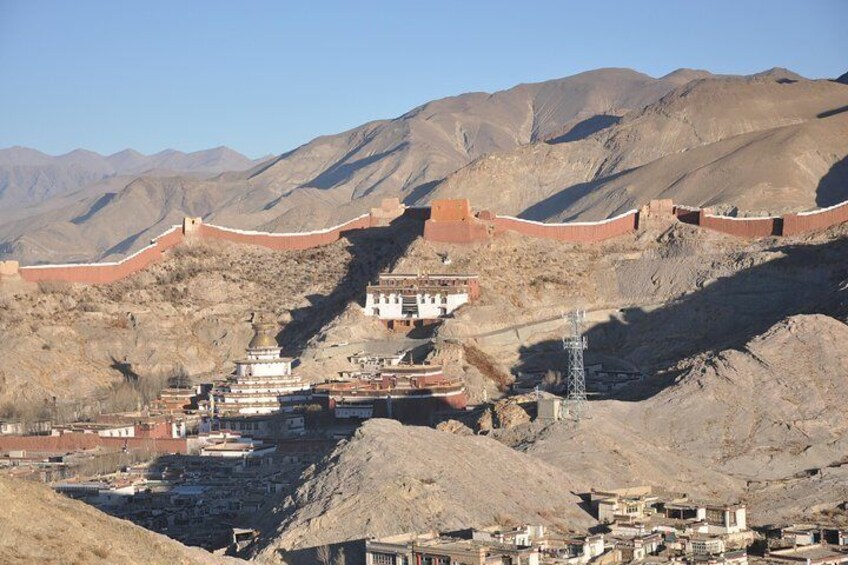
{"type": "Point", "coordinates": [263, 401]}
{"type": "Point", "coordinates": [636, 525]}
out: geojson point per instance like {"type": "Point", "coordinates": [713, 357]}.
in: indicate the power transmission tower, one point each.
{"type": "Point", "coordinates": [575, 344]}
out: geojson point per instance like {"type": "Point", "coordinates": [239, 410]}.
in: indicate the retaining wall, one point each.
{"type": "Point", "coordinates": [581, 232]}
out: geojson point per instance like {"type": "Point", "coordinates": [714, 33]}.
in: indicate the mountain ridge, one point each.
{"type": "Point", "coordinates": [583, 147]}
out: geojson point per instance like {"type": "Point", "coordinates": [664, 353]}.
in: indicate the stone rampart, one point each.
{"type": "Point", "coordinates": [302, 240]}
{"type": "Point", "coordinates": [100, 273]}
{"type": "Point", "coordinates": [741, 227]}
{"type": "Point", "coordinates": [447, 221]}
{"type": "Point", "coordinates": [578, 232]}
{"type": "Point", "coordinates": [816, 220]}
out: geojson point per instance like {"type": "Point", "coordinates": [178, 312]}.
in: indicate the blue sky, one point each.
{"type": "Point", "coordinates": [264, 77]}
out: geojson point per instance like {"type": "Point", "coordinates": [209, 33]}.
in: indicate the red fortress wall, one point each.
{"type": "Point", "coordinates": [451, 221]}
{"type": "Point", "coordinates": [304, 240]}
{"type": "Point", "coordinates": [99, 273]}
{"type": "Point", "coordinates": [815, 221]}
{"type": "Point", "coordinates": [741, 227]}
{"type": "Point", "coordinates": [579, 232]}
{"type": "Point", "coordinates": [446, 221]}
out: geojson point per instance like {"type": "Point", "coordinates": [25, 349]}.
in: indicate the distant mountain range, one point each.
{"type": "Point", "coordinates": [582, 147]}
{"type": "Point", "coordinates": [28, 176]}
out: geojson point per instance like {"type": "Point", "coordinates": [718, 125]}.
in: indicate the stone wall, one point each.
{"type": "Point", "coordinates": [305, 240]}
{"type": "Point", "coordinates": [816, 220]}
{"type": "Point", "coordinates": [66, 443]}
{"type": "Point", "coordinates": [451, 221]}
{"type": "Point", "coordinates": [100, 273]}
{"type": "Point", "coordinates": [741, 227]}
{"type": "Point", "coordinates": [578, 232]}
{"type": "Point", "coordinates": [447, 221]}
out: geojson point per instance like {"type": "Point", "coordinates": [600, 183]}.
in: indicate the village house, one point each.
{"type": "Point", "coordinates": [407, 300]}
{"type": "Point", "coordinates": [437, 549]}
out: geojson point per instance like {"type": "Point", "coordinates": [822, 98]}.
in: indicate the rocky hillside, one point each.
{"type": "Point", "coordinates": [29, 177]}
{"type": "Point", "coordinates": [186, 315]}
{"type": "Point", "coordinates": [391, 479]}
{"type": "Point", "coordinates": [39, 526]}
{"type": "Point", "coordinates": [763, 144]}
{"type": "Point", "coordinates": [738, 423]}
{"type": "Point", "coordinates": [336, 177]}
{"type": "Point", "coordinates": [586, 147]}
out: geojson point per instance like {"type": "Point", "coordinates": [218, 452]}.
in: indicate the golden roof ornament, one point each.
{"type": "Point", "coordinates": [263, 333]}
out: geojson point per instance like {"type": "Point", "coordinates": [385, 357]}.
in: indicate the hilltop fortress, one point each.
{"type": "Point", "coordinates": [445, 221]}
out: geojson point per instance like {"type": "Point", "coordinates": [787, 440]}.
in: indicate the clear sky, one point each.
{"type": "Point", "coordinates": [263, 77]}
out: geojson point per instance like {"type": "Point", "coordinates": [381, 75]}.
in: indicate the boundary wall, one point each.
{"type": "Point", "coordinates": [742, 227]}
{"type": "Point", "coordinates": [66, 443]}
{"type": "Point", "coordinates": [446, 221]}
{"type": "Point", "coordinates": [578, 232]}
{"type": "Point", "coordinates": [303, 240]}
{"type": "Point", "coordinates": [99, 273]}
{"type": "Point", "coordinates": [815, 220]}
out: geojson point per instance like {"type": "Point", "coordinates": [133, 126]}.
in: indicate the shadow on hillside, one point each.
{"type": "Point", "coordinates": [727, 313]}
{"type": "Point", "coordinates": [832, 112]}
{"type": "Point", "coordinates": [343, 552]}
{"type": "Point", "coordinates": [557, 203]}
{"type": "Point", "coordinates": [833, 187]}
{"type": "Point", "coordinates": [197, 500]}
{"type": "Point", "coordinates": [373, 251]}
{"type": "Point", "coordinates": [587, 127]}
{"type": "Point", "coordinates": [419, 193]}
{"type": "Point", "coordinates": [342, 171]}
{"type": "Point", "coordinates": [98, 205]}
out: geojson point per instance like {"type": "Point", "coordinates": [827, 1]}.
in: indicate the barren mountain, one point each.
{"type": "Point", "coordinates": [743, 422]}
{"type": "Point", "coordinates": [391, 479]}
{"type": "Point", "coordinates": [767, 143]}
{"type": "Point", "coordinates": [29, 177]}
{"type": "Point", "coordinates": [583, 147]}
{"type": "Point", "coordinates": [743, 389]}
{"type": "Point", "coordinates": [336, 177]}
{"type": "Point", "coordinates": [40, 526]}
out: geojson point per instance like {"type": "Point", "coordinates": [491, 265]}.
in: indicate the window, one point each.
{"type": "Point", "coordinates": [382, 559]}
{"type": "Point", "coordinates": [375, 311]}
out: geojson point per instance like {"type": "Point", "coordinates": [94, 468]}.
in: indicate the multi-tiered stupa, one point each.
{"type": "Point", "coordinates": [263, 382]}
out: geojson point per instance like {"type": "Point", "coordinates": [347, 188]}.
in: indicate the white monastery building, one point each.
{"type": "Point", "coordinates": [412, 299]}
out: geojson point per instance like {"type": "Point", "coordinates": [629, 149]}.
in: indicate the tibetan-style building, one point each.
{"type": "Point", "coordinates": [409, 393]}
{"type": "Point", "coordinates": [262, 383]}
{"type": "Point", "coordinates": [406, 300]}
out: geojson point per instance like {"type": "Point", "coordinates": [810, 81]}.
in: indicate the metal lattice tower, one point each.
{"type": "Point", "coordinates": [575, 344]}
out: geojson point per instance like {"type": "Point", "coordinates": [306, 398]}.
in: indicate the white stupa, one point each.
{"type": "Point", "coordinates": [263, 382]}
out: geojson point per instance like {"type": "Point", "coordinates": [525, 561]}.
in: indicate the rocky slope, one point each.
{"type": "Point", "coordinates": [392, 479]}
{"type": "Point", "coordinates": [336, 177]}
{"type": "Point", "coordinates": [768, 143]}
{"type": "Point", "coordinates": [186, 315]}
{"type": "Point", "coordinates": [587, 147]}
{"type": "Point", "coordinates": [39, 526]}
{"type": "Point", "coordinates": [28, 176]}
{"type": "Point", "coordinates": [739, 423]}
